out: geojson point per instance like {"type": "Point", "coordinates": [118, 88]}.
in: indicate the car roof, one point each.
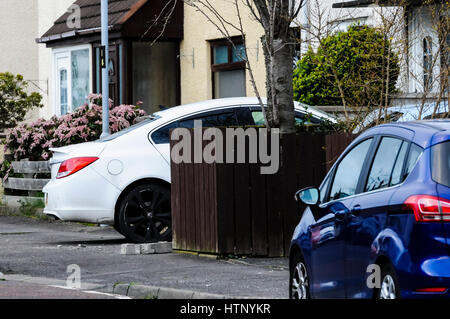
{"type": "Point", "coordinates": [182, 110]}
{"type": "Point", "coordinates": [435, 124]}
{"type": "Point", "coordinates": [424, 130]}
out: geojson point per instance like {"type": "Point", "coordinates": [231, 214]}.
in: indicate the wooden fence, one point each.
{"type": "Point", "coordinates": [233, 209]}
{"type": "Point", "coordinates": [30, 183]}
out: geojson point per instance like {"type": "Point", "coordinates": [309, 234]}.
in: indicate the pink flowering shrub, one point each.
{"type": "Point", "coordinates": [33, 141]}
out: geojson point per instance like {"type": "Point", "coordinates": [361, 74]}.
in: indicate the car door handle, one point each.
{"type": "Point", "coordinates": [356, 210]}
{"type": "Point", "coordinates": [340, 214]}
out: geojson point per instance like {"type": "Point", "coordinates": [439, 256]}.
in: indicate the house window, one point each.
{"type": "Point", "coordinates": [427, 63]}
{"type": "Point", "coordinates": [72, 83]}
{"type": "Point", "coordinates": [63, 100]}
{"type": "Point", "coordinates": [228, 68]}
{"type": "Point", "coordinates": [80, 64]}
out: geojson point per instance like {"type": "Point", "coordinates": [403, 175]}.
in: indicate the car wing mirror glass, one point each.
{"type": "Point", "coordinates": [309, 196]}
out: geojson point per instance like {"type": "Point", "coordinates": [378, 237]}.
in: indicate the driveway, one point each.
{"type": "Point", "coordinates": [42, 249]}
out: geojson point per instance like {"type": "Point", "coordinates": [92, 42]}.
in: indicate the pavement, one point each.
{"type": "Point", "coordinates": [35, 256]}
{"type": "Point", "coordinates": [22, 287]}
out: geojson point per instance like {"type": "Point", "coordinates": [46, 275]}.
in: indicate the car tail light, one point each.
{"type": "Point", "coordinates": [73, 165]}
{"type": "Point", "coordinates": [428, 208]}
{"type": "Point", "coordinates": [431, 290]}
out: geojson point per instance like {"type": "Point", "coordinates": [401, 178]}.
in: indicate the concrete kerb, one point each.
{"type": "Point", "coordinates": [146, 249]}
{"type": "Point", "coordinates": [153, 292]}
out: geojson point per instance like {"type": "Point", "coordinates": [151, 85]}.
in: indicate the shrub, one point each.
{"type": "Point", "coordinates": [33, 141]}
{"type": "Point", "coordinates": [14, 101]}
{"type": "Point", "coordinates": [358, 59]}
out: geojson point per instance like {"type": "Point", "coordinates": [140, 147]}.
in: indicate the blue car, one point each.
{"type": "Point", "coordinates": [379, 224]}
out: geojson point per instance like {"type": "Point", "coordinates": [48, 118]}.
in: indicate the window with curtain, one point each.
{"type": "Point", "coordinates": [228, 68]}
{"type": "Point", "coordinates": [80, 77]}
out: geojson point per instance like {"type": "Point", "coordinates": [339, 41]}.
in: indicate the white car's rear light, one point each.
{"type": "Point", "coordinates": [74, 165]}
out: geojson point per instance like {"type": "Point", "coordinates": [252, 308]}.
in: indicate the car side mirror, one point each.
{"type": "Point", "coordinates": [309, 196]}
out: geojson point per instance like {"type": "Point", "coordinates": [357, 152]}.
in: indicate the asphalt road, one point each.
{"type": "Point", "coordinates": [35, 248]}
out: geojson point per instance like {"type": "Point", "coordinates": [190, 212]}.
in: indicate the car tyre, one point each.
{"type": "Point", "coordinates": [145, 214]}
{"type": "Point", "coordinates": [298, 279]}
{"type": "Point", "coordinates": [389, 286]}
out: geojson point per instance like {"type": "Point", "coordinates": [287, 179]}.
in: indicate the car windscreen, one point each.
{"type": "Point", "coordinates": [440, 155]}
{"type": "Point", "coordinates": [129, 129]}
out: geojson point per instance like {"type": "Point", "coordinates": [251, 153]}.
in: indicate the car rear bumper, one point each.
{"type": "Point", "coordinates": [430, 273]}
{"type": "Point", "coordinates": [82, 197]}
{"type": "Point", "coordinates": [414, 294]}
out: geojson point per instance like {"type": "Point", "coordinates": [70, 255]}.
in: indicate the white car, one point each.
{"type": "Point", "coordinates": [404, 113]}
{"type": "Point", "coordinates": [124, 180]}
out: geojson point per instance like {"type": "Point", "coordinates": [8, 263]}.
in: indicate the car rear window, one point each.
{"type": "Point", "coordinates": [129, 129]}
{"type": "Point", "coordinates": [440, 155]}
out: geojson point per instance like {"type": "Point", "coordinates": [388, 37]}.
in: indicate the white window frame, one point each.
{"type": "Point", "coordinates": [66, 52]}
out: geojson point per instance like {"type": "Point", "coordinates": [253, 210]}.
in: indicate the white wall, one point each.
{"type": "Point", "coordinates": [18, 49]}
{"type": "Point", "coordinates": [18, 29]}
{"type": "Point", "coordinates": [48, 12]}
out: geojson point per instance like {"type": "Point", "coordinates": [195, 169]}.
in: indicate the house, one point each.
{"type": "Point", "coordinates": [137, 70]}
{"type": "Point", "coordinates": [426, 41]}
{"type": "Point", "coordinates": [56, 45]}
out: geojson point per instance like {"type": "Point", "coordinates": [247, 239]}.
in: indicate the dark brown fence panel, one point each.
{"type": "Point", "coordinates": [258, 198]}
{"type": "Point", "coordinates": [234, 209]}
{"type": "Point", "coordinates": [289, 187]}
{"type": "Point", "coordinates": [225, 207]}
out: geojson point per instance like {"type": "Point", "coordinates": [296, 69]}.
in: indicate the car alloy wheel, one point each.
{"type": "Point", "coordinates": [145, 214]}
{"type": "Point", "coordinates": [300, 282]}
{"type": "Point", "coordinates": [387, 290]}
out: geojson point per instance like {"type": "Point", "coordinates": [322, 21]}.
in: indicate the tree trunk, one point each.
{"type": "Point", "coordinates": [280, 86]}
